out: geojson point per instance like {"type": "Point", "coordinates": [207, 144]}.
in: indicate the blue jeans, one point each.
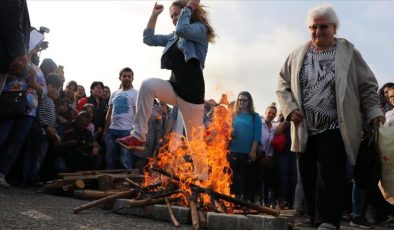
{"type": "Point", "coordinates": [39, 144]}
{"type": "Point", "coordinates": [116, 157]}
{"type": "Point", "coordinates": [12, 134]}
{"type": "Point", "coordinates": [287, 176]}
{"type": "Point", "coordinates": [358, 200]}
{"type": "Point", "coordinates": [299, 193]}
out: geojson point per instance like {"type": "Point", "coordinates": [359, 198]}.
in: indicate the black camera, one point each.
{"type": "Point", "coordinates": [43, 30]}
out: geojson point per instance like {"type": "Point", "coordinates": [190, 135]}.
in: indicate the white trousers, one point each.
{"type": "Point", "coordinates": [161, 89]}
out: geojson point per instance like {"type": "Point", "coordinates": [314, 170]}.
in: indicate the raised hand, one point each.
{"type": "Point", "coordinates": [193, 4]}
{"type": "Point", "coordinates": [157, 9]}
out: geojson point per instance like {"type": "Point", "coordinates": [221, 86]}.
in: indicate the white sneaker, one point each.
{"type": "Point", "coordinates": [326, 226]}
{"type": "Point", "coordinates": [3, 183]}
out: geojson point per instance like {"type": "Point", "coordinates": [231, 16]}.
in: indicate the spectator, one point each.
{"type": "Point", "coordinates": [390, 114]}
{"type": "Point", "coordinates": [79, 95]}
{"type": "Point", "coordinates": [67, 95]}
{"type": "Point", "coordinates": [286, 167]}
{"type": "Point", "coordinates": [118, 124]}
{"type": "Point", "coordinates": [245, 136]}
{"type": "Point", "coordinates": [48, 66]}
{"type": "Point", "coordinates": [90, 109]}
{"type": "Point", "coordinates": [77, 149]}
{"type": "Point", "coordinates": [42, 133]}
{"type": "Point", "coordinates": [13, 131]}
{"type": "Point", "coordinates": [106, 94]}
{"type": "Point", "coordinates": [156, 124]}
{"type": "Point", "coordinates": [324, 95]}
{"type": "Point", "coordinates": [384, 98]}
{"type": "Point", "coordinates": [96, 91]}
{"type": "Point", "coordinates": [265, 170]}
{"type": "Point", "coordinates": [14, 39]}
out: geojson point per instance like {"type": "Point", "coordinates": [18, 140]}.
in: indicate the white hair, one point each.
{"type": "Point", "coordinates": [325, 10]}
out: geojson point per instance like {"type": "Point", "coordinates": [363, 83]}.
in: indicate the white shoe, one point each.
{"type": "Point", "coordinates": [326, 226]}
{"type": "Point", "coordinates": [3, 183]}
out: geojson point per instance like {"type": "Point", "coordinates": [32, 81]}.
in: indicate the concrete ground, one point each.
{"type": "Point", "coordinates": [27, 209]}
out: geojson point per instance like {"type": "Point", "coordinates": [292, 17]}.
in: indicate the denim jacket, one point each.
{"type": "Point", "coordinates": [192, 39]}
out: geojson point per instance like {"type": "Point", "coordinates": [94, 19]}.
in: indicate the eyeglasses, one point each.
{"type": "Point", "coordinates": [243, 100]}
{"type": "Point", "coordinates": [319, 26]}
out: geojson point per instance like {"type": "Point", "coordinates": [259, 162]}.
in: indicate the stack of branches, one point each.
{"type": "Point", "coordinates": [93, 185]}
{"type": "Point", "coordinates": [139, 196]}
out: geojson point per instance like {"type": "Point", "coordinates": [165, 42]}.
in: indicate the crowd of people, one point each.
{"type": "Point", "coordinates": [300, 155]}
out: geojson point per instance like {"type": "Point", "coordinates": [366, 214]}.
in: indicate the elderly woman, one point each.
{"type": "Point", "coordinates": [323, 88]}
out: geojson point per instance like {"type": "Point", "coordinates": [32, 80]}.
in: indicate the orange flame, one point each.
{"type": "Point", "coordinates": [202, 161]}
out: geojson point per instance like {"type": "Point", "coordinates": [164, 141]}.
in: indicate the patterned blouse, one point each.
{"type": "Point", "coordinates": [317, 81]}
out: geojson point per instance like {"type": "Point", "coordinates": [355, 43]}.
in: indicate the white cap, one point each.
{"type": "Point", "coordinates": [35, 39]}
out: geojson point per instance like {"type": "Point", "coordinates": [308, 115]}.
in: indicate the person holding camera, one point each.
{"type": "Point", "coordinates": [77, 150]}
{"type": "Point", "coordinates": [184, 54]}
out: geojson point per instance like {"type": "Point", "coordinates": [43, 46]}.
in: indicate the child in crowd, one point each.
{"type": "Point", "coordinates": [46, 131]}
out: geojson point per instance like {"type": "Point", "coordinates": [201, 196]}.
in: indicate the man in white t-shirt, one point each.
{"type": "Point", "coordinates": [118, 121]}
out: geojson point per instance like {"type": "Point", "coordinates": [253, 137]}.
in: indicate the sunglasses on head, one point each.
{"type": "Point", "coordinates": [319, 26]}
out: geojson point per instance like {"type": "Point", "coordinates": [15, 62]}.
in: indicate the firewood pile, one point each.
{"type": "Point", "coordinates": [169, 193]}
{"type": "Point", "coordinates": [92, 185]}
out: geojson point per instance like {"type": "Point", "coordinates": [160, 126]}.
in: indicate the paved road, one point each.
{"type": "Point", "coordinates": [27, 209]}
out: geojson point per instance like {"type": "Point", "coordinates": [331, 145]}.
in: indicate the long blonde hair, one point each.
{"type": "Point", "coordinates": [199, 15]}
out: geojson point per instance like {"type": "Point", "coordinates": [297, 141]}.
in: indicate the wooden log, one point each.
{"type": "Point", "coordinates": [203, 220]}
{"type": "Point", "coordinates": [95, 172]}
{"type": "Point", "coordinates": [173, 218]}
{"type": "Point", "coordinates": [132, 182]}
{"type": "Point", "coordinates": [119, 195]}
{"type": "Point", "coordinates": [194, 214]}
{"type": "Point", "coordinates": [104, 200]}
{"type": "Point", "coordinates": [56, 184]}
{"type": "Point", "coordinates": [149, 201]}
{"type": "Point", "coordinates": [77, 184]}
{"type": "Point", "coordinates": [218, 206]}
{"type": "Point", "coordinates": [105, 182]}
{"type": "Point", "coordinates": [93, 194]}
{"type": "Point", "coordinates": [217, 195]}
{"type": "Point", "coordinates": [114, 176]}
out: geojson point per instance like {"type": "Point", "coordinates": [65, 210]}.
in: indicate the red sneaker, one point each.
{"type": "Point", "coordinates": [131, 143]}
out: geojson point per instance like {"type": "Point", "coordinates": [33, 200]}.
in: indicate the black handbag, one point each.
{"type": "Point", "coordinates": [13, 104]}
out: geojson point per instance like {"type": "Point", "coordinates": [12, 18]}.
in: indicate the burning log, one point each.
{"type": "Point", "coordinates": [219, 208]}
{"type": "Point", "coordinates": [217, 195]}
{"type": "Point", "coordinates": [173, 218]}
{"type": "Point", "coordinates": [203, 220]}
{"type": "Point", "coordinates": [194, 214]}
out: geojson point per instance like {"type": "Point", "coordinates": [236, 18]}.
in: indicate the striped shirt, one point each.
{"type": "Point", "coordinates": [46, 112]}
